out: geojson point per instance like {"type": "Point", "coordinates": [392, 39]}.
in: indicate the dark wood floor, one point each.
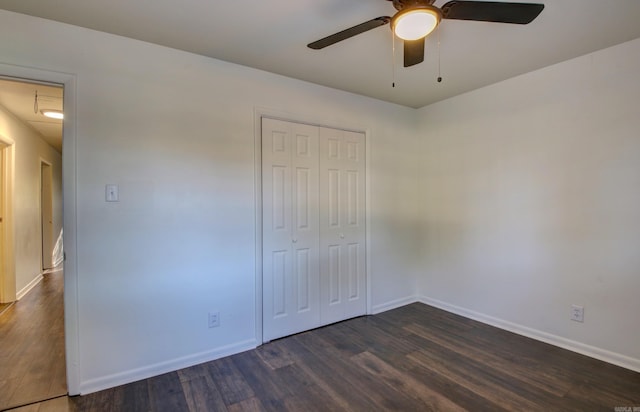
{"type": "Point", "coordinates": [32, 363]}
{"type": "Point", "coordinates": [416, 358]}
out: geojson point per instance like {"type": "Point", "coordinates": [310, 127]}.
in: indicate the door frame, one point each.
{"type": "Point", "coordinates": [69, 199]}
{"type": "Point", "coordinates": [258, 114]}
{"type": "Point", "coordinates": [8, 265]}
{"type": "Point", "coordinates": [44, 163]}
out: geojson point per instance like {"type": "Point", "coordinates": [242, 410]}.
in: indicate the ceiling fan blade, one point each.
{"type": "Point", "coordinates": [498, 12]}
{"type": "Point", "coordinates": [413, 52]}
{"type": "Point", "coordinates": [350, 32]}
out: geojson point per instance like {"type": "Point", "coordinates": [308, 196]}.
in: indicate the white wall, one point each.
{"type": "Point", "coordinates": [30, 150]}
{"type": "Point", "coordinates": [176, 132]}
{"type": "Point", "coordinates": [532, 203]}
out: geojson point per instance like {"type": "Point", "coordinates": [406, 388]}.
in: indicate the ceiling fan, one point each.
{"type": "Point", "coordinates": [415, 19]}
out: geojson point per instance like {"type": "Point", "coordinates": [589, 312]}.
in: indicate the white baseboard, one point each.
{"type": "Point", "coordinates": [574, 346]}
{"type": "Point", "coordinates": [394, 304]}
{"type": "Point", "coordinates": [27, 288]}
{"type": "Point", "coordinates": [106, 382]}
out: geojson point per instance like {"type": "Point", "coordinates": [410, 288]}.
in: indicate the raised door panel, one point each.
{"type": "Point", "coordinates": [280, 272]}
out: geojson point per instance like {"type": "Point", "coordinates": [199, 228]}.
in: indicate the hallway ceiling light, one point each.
{"type": "Point", "coordinates": [53, 114]}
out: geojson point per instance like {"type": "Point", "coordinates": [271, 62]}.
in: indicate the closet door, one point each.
{"type": "Point", "coordinates": [290, 164]}
{"type": "Point", "coordinates": [342, 225]}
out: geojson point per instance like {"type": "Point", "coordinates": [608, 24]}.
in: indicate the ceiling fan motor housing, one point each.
{"type": "Point", "coordinates": [405, 4]}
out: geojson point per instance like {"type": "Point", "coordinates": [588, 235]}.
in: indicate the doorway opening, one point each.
{"type": "Point", "coordinates": [31, 211]}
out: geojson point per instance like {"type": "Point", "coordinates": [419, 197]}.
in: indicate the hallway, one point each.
{"type": "Point", "coordinates": [32, 351]}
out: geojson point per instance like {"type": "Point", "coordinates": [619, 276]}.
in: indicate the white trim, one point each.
{"type": "Point", "coordinates": [258, 114]}
{"type": "Point", "coordinates": [28, 288]}
{"type": "Point", "coordinates": [574, 346]}
{"type": "Point", "coordinates": [111, 381]}
{"type": "Point", "coordinates": [48, 163]}
{"type": "Point", "coordinates": [257, 183]}
{"type": "Point", "coordinates": [367, 218]}
{"type": "Point", "coordinates": [394, 304]}
{"type": "Point", "coordinates": [70, 235]}
{"type": "Point", "coordinates": [69, 180]}
{"type": "Point", "coordinates": [8, 268]}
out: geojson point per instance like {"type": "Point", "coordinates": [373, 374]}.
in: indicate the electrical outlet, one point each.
{"type": "Point", "coordinates": [577, 313]}
{"type": "Point", "coordinates": [214, 319]}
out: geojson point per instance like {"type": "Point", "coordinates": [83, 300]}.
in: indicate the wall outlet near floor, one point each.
{"type": "Point", "coordinates": [577, 313]}
{"type": "Point", "coordinates": [214, 319]}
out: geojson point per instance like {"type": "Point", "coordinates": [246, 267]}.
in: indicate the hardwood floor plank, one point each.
{"type": "Point", "coordinates": [432, 401]}
{"type": "Point", "coordinates": [248, 405]}
{"type": "Point", "coordinates": [383, 396]}
{"type": "Point", "coordinates": [382, 337]}
{"type": "Point", "coordinates": [202, 395]}
{"type": "Point", "coordinates": [334, 385]}
{"type": "Point", "coordinates": [306, 394]}
{"type": "Point", "coordinates": [166, 394]}
{"type": "Point", "coordinates": [262, 381]}
{"type": "Point", "coordinates": [275, 355]}
{"type": "Point", "coordinates": [194, 372]}
{"type": "Point", "coordinates": [311, 399]}
{"type": "Point", "coordinates": [230, 382]}
{"type": "Point", "coordinates": [451, 389]}
{"type": "Point", "coordinates": [134, 397]}
{"type": "Point", "coordinates": [111, 400]}
{"type": "Point", "coordinates": [336, 338]}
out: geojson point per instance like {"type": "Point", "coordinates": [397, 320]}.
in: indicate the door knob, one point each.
{"type": "Point", "coordinates": [294, 240]}
{"type": "Point", "coordinates": [341, 235]}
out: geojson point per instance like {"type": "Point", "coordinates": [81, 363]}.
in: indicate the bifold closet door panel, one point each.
{"type": "Point", "coordinates": [342, 225]}
{"type": "Point", "coordinates": [290, 226]}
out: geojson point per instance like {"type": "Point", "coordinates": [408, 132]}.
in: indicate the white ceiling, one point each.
{"type": "Point", "coordinates": [272, 36]}
{"type": "Point", "coordinates": [19, 98]}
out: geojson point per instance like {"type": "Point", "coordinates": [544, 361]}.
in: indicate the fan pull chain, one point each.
{"type": "Point", "coordinates": [393, 60]}
{"type": "Point", "coordinates": [439, 72]}
{"type": "Point", "coordinates": [35, 103]}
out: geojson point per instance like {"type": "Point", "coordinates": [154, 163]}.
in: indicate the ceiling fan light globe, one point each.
{"type": "Point", "coordinates": [416, 23]}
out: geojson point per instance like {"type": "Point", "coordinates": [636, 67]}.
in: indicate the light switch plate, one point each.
{"type": "Point", "coordinates": [111, 193]}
